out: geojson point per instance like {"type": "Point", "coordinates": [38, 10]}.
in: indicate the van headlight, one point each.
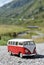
{"type": "Point", "coordinates": [26, 51]}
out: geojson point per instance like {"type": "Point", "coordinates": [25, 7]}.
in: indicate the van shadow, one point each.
{"type": "Point", "coordinates": [31, 57]}
{"type": "Point", "coordinates": [34, 57]}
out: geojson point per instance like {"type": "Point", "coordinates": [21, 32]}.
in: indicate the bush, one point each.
{"type": "Point", "coordinates": [0, 37]}
{"type": "Point", "coordinates": [14, 34]}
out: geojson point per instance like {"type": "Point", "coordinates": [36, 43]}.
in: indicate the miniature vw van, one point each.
{"type": "Point", "coordinates": [21, 47]}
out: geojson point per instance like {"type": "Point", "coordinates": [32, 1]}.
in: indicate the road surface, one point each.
{"type": "Point", "coordinates": [7, 59]}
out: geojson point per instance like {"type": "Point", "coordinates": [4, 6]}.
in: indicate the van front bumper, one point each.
{"type": "Point", "coordinates": [29, 54]}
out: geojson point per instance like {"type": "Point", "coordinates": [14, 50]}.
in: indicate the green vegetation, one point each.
{"type": "Point", "coordinates": [8, 32]}
{"type": "Point", "coordinates": [15, 18]}
{"type": "Point", "coordinates": [11, 31]}
{"type": "Point", "coordinates": [11, 28]}
{"type": "Point", "coordinates": [15, 13]}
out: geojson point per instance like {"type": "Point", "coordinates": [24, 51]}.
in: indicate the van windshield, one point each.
{"type": "Point", "coordinates": [29, 43]}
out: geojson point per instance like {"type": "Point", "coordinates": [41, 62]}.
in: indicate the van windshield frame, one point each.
{"type": "Point", "coordinates": [29, 43]}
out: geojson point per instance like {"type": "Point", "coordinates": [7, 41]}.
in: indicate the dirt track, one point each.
{"type": "Point", "coordinates": [6, 59]}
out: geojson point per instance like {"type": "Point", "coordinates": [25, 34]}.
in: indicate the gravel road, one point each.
{"type": "Point", "coordinates": [6, 59]}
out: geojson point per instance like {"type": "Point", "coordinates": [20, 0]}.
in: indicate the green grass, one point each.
{"type": "Point", "coordinates": [4, 29]}
{"type": "Point", "coordinates": [11, 28]}
{"type": "Point", "coordinates": [4, 40]}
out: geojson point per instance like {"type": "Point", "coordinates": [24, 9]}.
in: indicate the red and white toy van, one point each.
{"type": "Point", "coordinates": [21, 47]}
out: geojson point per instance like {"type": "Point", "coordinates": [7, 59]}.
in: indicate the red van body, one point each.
{"type": "Point", "coordinates": [22, 47]}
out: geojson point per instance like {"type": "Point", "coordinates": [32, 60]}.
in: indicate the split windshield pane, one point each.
{"type": "Point", "coordinates": [29, 43]}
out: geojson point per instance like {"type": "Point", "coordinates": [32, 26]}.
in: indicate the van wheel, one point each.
{"type": "Point", "coordinates": [21, 55]}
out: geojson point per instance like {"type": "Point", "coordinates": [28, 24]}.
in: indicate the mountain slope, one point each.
{"type": "Point", "coordinates": [14, 7]}
{"type": "Point", "coordinates": [20, 9]}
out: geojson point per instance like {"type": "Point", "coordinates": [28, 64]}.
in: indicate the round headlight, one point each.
{"type": "Point", "coordinates": [26, 51]}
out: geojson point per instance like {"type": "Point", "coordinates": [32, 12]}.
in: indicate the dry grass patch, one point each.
{"type": "Point", "coordinates": [11, 28]}
{"type": "Point", "coordinates": [39, 40]}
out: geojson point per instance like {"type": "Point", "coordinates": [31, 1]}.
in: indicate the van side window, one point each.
{"type": "Point", "coordinates": [20, 43]}
{"type": "Point", "coordinates": [16, 43]}
{"type": "Point", "coordinates": [13, 43]}
{"type": "Point", "coordinates": [9, 42]}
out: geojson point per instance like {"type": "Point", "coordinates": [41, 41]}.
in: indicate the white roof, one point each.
{"type": "Point", "coordinates": [21, 40]}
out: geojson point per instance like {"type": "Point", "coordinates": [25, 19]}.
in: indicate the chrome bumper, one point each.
{"type": "Point", "coordinates": [29, 54]}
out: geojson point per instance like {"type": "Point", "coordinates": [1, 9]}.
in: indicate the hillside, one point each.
{"type": "Point", "coordinates": [17, 11]}
{"type": "Point", "coordinates": [14, 8]}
